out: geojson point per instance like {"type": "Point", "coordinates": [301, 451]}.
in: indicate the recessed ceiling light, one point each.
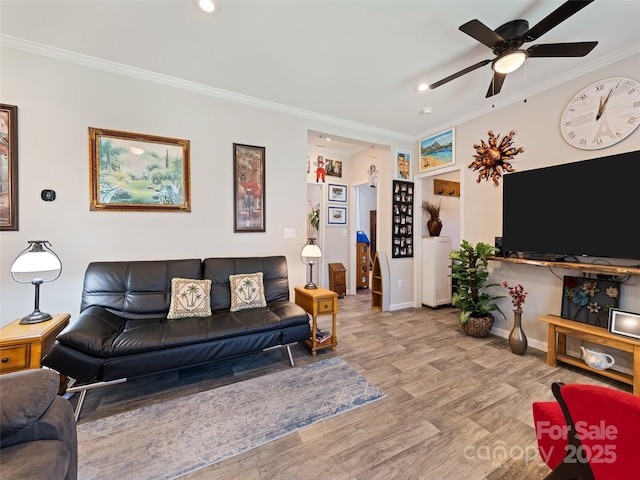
{"type": "Point", "coordinates": [136, 150]}
{"type": "Point", "coordinates": [206, 6]}
{"type": "Point", "coordinates": [328, 139]}
{"type": "Point", "coordinates": [426, 110]}
{"type": "Point", "coordinates": [422, 87]}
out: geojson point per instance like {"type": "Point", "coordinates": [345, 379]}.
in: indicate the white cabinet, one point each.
{"type": "Point", "coordinates": [436, 282]}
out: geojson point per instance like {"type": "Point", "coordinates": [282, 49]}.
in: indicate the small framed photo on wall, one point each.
{"type": "Point", "coordinates": [337, 193]}
{"type": "Point", "coordinates": [403, 165]}
{"type": "Point", "coordinates": [336, 215]}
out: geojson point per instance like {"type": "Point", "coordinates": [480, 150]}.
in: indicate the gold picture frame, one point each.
{"type": "Point", "coordinates": [138, 172]}
{"type": "Point", "coordinates": [8, 167]}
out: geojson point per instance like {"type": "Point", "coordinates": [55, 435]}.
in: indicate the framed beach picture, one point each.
{"type": "Point", "coordinates": [403, 165]}
{"type": "Point", "coordinates": [337, 193]}
{"type": "Point", "coordinates": [138, 172]}
{"type": "Point", "coordinates": [336, 215]}
{"type": "Point", "coordinates": [437, 151]}
{"type": "Point", "coordinates": [8, 167]}
{"type": "Point", "coordinates": [248, 188]}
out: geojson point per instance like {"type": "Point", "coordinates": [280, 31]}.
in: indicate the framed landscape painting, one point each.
{"type": "Point", "coordinates": [248, 188]}
{"type": "Point", "coordinates": [138, 172]}
{"type": "Point", "coordinates": [437, 151]}
{"type": "Point", "coordinates": [8, 167]}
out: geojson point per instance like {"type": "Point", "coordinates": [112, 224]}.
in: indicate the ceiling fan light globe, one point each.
{"type": "Point", "coordinates": [509, 62]}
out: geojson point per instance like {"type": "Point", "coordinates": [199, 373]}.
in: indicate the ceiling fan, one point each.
{"type": "Point", "coordinates": [506, 42]}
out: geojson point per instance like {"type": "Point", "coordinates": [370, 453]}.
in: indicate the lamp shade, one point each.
{"type": "Point", "coordinates": [36, 264]}
{"type": "Point", "coordinates": [310, 255]}
{"type": "Point", "coordinates": [37, 261]}
{"type": "Point", "coordinates": [311, 251]}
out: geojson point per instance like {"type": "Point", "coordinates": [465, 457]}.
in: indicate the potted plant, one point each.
{"type": "Point", "coordinates": [434, 224]}
{"type": "Point", "coordinates": [469, 270]}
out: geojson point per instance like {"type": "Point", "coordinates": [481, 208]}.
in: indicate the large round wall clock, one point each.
{"type": "Point", "coordinates": [602, 114]}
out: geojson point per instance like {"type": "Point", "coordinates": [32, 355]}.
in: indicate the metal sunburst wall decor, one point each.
{"type": "Point", "coordinates": [492, 159]}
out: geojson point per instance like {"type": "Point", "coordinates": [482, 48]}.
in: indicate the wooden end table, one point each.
{"type": "Point", "coordinates": [23, 346]}
{"type": "Point", "coordinates": [317, 302]}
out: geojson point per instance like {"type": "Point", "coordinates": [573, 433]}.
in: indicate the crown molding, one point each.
{"type": "Point", "coordinates": [174, 82]}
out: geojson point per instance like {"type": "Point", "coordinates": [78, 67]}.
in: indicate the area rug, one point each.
{"type": "Point", "coordinates": [179, 436]}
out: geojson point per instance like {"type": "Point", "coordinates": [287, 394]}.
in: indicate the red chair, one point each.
{"type": "Point", "coordinates": [591, 433]}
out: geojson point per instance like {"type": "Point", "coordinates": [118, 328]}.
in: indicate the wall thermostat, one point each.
{"type": "Point", "coordinates": [48, 195]}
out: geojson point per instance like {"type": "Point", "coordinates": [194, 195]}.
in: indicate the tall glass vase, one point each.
{"type": "Point", "coordinates": [517, 338]}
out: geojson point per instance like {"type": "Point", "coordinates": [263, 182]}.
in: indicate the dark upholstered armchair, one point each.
{"type": "Point", "coordinates": [591, 432]}
{"type": "Point", "coordinates": [38, 431]}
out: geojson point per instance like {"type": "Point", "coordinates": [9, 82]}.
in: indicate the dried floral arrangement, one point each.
{"type": "Point", "coordinates": [432, 207]}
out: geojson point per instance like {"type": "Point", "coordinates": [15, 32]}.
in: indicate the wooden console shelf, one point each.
{"type": "Point", "coordinates": [559, 328]}
{"type": "Point", "coordinates": [585, 267]}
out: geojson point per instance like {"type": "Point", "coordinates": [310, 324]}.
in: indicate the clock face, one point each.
{"type": "Point", "coordinates": [602, 114]}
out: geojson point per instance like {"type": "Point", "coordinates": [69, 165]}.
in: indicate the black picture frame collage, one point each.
{"type": "Point", "coordinates": [402, 231]}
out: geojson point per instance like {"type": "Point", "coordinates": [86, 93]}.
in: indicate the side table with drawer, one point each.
{"type": "Point", "coordinates": [23, 346]}
{"type": "Point", "coordinates": [316, 302]}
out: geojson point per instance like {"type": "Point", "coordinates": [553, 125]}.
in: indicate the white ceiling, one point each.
{"type": "Point", "coordinates": [355, 63]}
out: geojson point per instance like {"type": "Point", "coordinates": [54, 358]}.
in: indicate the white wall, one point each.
{"type": "Point", "coordinates": [57, 102]}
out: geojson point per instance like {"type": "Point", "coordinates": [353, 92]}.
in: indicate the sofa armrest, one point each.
{"type": "Point", "coordinates": [26, 395]}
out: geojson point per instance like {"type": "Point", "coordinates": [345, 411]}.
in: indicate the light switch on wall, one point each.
{"type": "Point", "coordinates": [289, 233]}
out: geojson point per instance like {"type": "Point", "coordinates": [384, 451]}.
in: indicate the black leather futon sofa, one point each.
{"type": "Point", "coordinates": [123, 330]}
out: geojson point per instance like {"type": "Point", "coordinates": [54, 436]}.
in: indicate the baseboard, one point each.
{"type": "Point", "coordinates": [400, 306]}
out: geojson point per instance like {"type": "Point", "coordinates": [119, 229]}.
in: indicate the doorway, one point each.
{"type": "Point", "coordinates": [366, 232]}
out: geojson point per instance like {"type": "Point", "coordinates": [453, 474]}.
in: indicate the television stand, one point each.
{"type": "Point", "coordinates": [615, 270]}
{"type": "Point", "coordinates": [560, 329]}
{"type": "Point", "coordinates": [549, 257]}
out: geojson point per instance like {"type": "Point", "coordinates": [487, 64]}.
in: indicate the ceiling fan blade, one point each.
{"type": "Point", "coordinates": [575, 49]}
{"type": "Point", "coordinates": [482, 33]}
{"type": "Point", "coordinates": [496, 84]}
{"type": "Point", "coordinates": [556, 17]}
{"type": "Point", "coordinates": [458, 74]}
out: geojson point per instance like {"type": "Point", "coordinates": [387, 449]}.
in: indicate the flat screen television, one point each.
{"type": "Point", "coordinates": [585, 208]}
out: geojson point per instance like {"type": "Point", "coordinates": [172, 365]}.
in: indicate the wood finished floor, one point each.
{"type": "Point", "coordinates": [454, 404]}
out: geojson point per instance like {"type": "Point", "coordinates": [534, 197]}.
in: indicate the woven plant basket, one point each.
{"type": "Point", "coordinates": [478, 327]}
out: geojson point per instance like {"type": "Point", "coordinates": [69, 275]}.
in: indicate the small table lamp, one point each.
{"type": "Point", "coordinates": [36, 264]}
{"type": "Point", "coordinates": [310, 255]}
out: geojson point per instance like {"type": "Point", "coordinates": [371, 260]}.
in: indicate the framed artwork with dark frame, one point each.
{"type": "Point", "coordinates": [248, 188]}
{"type": "Point", "coordinates": [138, 172]}
{"type": "Point", "coordinates": [336, 215]}
{"type": "Point", "coordinates": [337, 193]}
{"type": "Point", "coordinates": [589, 300]}
{"type": "Point", "coordinates": [402, 229]}
{"type": "Point", "coordinates": [8, 167]}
